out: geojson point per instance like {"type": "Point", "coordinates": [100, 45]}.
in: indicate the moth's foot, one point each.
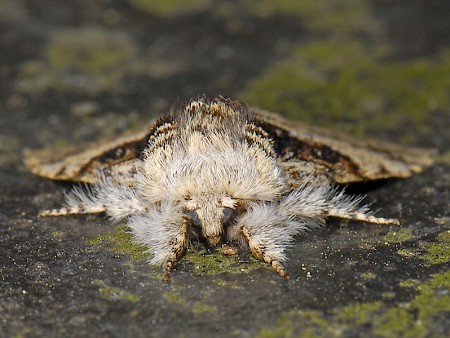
{"type": "Point", "coordinates": [168, 268]}
{"type": "Point", "coordinates": [71, 211]}
{"type": "Point", "coordinates": [55, 212]}
{"type": "Point", "coordinates": [279, 268]}
{"type": "Point", "coordinates": [381, 220]}
{"type": "Point", "coordinates": [376, 220]}
{"type": "Point", "coordinates": [229, 250]}
{"type": "Point", "coordinates": [363, 217]}
{"type": "Point", "coordinates": [176, 252]}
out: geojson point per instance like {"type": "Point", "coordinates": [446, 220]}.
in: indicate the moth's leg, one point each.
{"type": "Point", "coordinates": [269, 229]}
{"type": "Point", "coordinates": [361, 216]}
{"type": "Point", "coordinates": [347, 207]}
{"type": "Point", "coordinates": [79, 201]}
{"type": "Point", "coordinates": [179, 246]}
{"type": "Point", "coordinates": [72, 211]}
{"type": "Point", "coordinates": [164, 230]}
{"type": "Point", "coordinates": [260, 252]}
{"type": "Point", "coordinates": [317, 201]}
{"type": "Point", "coordinates": [116, 198]}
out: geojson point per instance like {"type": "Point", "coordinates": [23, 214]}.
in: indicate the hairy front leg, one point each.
{"type": "Point", "coordinates": [164, 230]}
{"type": "Point", "coordinates": [268, 231]}
{"type": "Point", "coordinates": [259, 252]}
{"type": "Point", "coordinates": [179, 247]}
{"type": "Point", "coordinates": [117, 198]}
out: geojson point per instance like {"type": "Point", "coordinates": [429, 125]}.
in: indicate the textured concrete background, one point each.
{"type": "Point", "coordinates": [75, 71]}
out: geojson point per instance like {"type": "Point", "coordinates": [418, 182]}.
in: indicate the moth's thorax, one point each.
{"type": "Point", "coordinates": [212, 115]}
{"type": "Point", "coordinates": [208, 151]}
{"type": "Point", "coordinates": [213, 165]}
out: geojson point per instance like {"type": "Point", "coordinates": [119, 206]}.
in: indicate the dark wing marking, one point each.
{"type": "Point", "coordinates": [81, 163]}
{"type": "Point", "coordinates": [345, 159]}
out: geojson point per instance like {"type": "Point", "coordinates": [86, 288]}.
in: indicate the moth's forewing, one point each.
{"type": "Point", "coordinates": [81, 163]}
{"type": "Point", "coordinates": [343, 158]}
{"type": "Point", "coordinates": [302, 148]}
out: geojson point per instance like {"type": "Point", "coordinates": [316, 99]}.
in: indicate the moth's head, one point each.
{"type": "Point", "coordinates": [210, 216]}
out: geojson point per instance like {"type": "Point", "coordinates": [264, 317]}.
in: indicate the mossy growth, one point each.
{"type": "Point", "coordinates": [174, 297]}
{"type": "Point", "coordinates": [83, 60]}
{"type": "Point", "coordinates": [217, 263]}
{"type": "Point", "coordinates": [443, 158]}
{"type": "Point", "coordinates": [398, 236]}
{"type": "Point", "coordinates": [406, 253]}
{"type": "Point", "coordinates": [299, 324]}
{"type": "Point", "coordinates": [170, 8]}
{"type": "Point", "coordinates": [412, 319]}
{"type": "Point", "coordinates": [409, 283]}
{"type": "Point", "coordinates": [368, 275]}
{"type": "Point", "coordinates": [115, 293]}
{"type": "Point", "coordinates": [25, 331]}
{"type": "Point", "coordinates": [340, 84]}
{"type": "Point", "coordinates": [201, 308]}
{"type": "Point", "coordinates": [111, 293]}
{"type": "Point", "coordinates": [325, 16]}
{"type": "Point", "coordinates": [437, 252]}
{"type": "Point", "coordinates": [120, 241]}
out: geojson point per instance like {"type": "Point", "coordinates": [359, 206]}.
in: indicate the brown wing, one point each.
{"type": "Point", "coordinates": [81, 163]}
{"type": "Point", "coordinates": [344, 158]}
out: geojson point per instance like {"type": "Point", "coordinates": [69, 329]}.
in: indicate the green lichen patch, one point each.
{"type": "Point", "coordinates": [357, 314]}
{"type": "Point", "coordinates": [299, 324]}
{"type": "Point", "coordinates": [57, 234]}
{"type": "Point", "coordinates": [368, 275]}
{"type": "Point", "coordinates": [325, 16]}
{"type": "Point", "coordinates": [436, 251]}
{"type": "Point", "coordinates": [23, 332]}
{"type": "Point", "coordinates": [201, 308]}
{"type": "Point", "coordinates": [413, 318]}
{"type": "Point", "coordinates": [398, 236]}
{"type": "Point", "coordinates": [120, 241]}
{"type": "Point", "coordinates": [110, 293]}
{"type": "Point", "coordinates": [170, 8]}
{"type": "Point", "coordinates": [434, 296]}
{"type": "Point", "coordinates": [87, 60]}
{"type": "Point", "coordinates": [407, 253]}
{"type": "Point", "coordinates": [213, 264]}
{"type": "Point", "coordinates": [444, 158]}
{"type": "Point", "coordinates": [444, 237]}
{"type": "Point", "coordinates": [174, 297]}
{"type": "Point", "coordinates": [114, 293]}
{"type": "Point", "coordinates": [409, 283]}
{"type": "Point", "coordinates": [410, 319]}
{"type": "Point", "coordinates": [342, 85]}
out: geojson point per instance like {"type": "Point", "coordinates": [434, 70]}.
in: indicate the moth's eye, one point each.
{"type": "Point", "coordinates": [229, 214]}
{"type": "Point", "coordinates": [195, 219]}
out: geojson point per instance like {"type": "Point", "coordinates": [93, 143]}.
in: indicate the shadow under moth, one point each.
{"type": "Point", "coordinates": [221, 173]}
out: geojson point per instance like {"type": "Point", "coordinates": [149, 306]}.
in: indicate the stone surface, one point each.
{"type": "Point", "coordinates": [71, 72]}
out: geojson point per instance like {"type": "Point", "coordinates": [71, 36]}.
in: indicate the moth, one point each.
{"type": "Point", "coordinates": [218, 172]}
